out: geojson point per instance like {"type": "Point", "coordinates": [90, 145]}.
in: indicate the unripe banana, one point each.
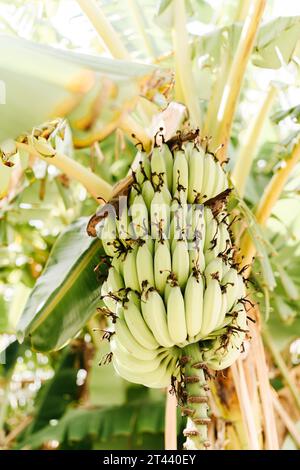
{"type": "Point", "coordinates": [148, 193]}
{"type": "Point", "coordinates": [138, 327]}
{"type": "Point", "coordinates": [223, 238]}
{"type": "Point", "coordinates": [155, 315]}
{"type": "Point", "coordinates": [180, 176]}
{"type": "Point", "coordinates": [144, 267]}
{"type": "Point", "coordinates": [221, 181]}
{"type": "Point", "coordinates": [134, 191]}
{"type": "Point", "coordinates": [117, 263]}
{"type": "Point", "coordinates": [223, 311]}
{"type": "Point", "coordinates": [168, 157]}
{"type": "Point", "coordinates": [109, 302]}
{"type": "Point", "coordinates": [214, 270]}
{"type": "Point", "coordinates": [178, 227]}
{"type": "Point", "coordinates": [162, 376]}
{"type": "Point", "coordinates": [153, 377]}
{"type": "Point", "coordinates": [142, 168]}
{"type": "Point", "coordinates": [123, 222]}
{"type": "Point", "coordinates": [176, 316]}
{"type": "Point", "coordinates": [166, 195]}
{"type": "Point", "coordinates": [212, 303]}
{"type": "Point", "coordinates": [168, 366]}
{"type": "Point", "coordinates": [188, 148]}
{"type": "Point", "coordinates": [181, 262]}
{"type": "Point", "coordinates": [230, 283]}
{"type": "Point", "coordinates": [196, 171]}
{"type": "Point", "coordinates": [211, 227]}
{"type": "Point", "coordinates": [160, 217]}
{"type": "Point", "coordinates": [226, 350]}
{"type": "Point", "coordinates": [197, 259]}
{"type": "Point", "coordinates": [130, 271]}
{"type": "Point", "coordinates": [162, 264]}
{"type": "Point", "coordinates": [209, 177]}
{"type": "Point", "coordinates": [139, 216]}
{"type": "Point", "coordinates": [150, 244]}
{"type": "Point", "coordinates": [106, 230]}
{"type": "Point", "coordinates": [197, 225]}
{"type": "Point", "coordinates": [193, 301]}
{"type": "Point", "coordinates": [133, 297]}
{"type": "Point", "coordinates": [241, 289]}
{"type": "Point", "coordinates": [114, 280]}
{"type": "Point", "coordinates": [128, 342]}
{"type": "Point", "coordinates": [158, 167]}
{"type": "Point", "coordinates": [142, 366]}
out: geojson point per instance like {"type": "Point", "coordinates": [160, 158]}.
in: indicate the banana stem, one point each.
{"type": "Point", "coordinates": [109, 36]}
{"type": "Point", "coordinates": [195, 399]}
{"type": "Point", "coordinates": [233, 84]}
{"type": "Point", "coordinates": [248, 149]}
{"type": "Point", "coordinates": [183, 63]}
{"type": "Point", "coordinates": [95, 185]}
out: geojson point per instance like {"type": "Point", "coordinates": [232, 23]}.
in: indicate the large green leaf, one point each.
{"type": "Point", "coordinates": [103, 379]}
{"type": "Point", "coordinates": [59, 392]}
{"type": "Point", "coordinates": [66, 294]}
{"type": "Point", "coordinates": [130, 421]}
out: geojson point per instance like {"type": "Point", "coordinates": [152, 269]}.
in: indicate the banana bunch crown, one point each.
{"type": "Point", "coordinates": [172, 279]}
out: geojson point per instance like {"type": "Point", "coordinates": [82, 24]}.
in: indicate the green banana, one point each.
{"type": "Point", "coordinates": [176, 316]}
{"type": "Point", "coordinates": [137, 326]}
{"type": "Point", "coordinates": [160, 217]}
{"type": "Point", "coordinates": [209, 177]}
{"type": "Point", "coordinates": [180, 176]}
{"type": "Point", "coordinates": [148, 193]}
{"type": "Point", "coordinates": [196, 173]}
{"type": "Point", "coordinates": [114, 280]}
{"type": "Point", "coordinates": [193, 301]}
{"type": "Point", "coordinates": [128, 342]}
{"type": "Point", "coordinates": [139, 216]}
{"type": "Point", "coordinates": [130, 272]}
{"type": "Point", "coordinates": [212, 303]}
{"type": "Point", "coordinates": [214, 270]}
{"type": "Point", "coordinates": [221, 183]}
{"type": "Point", "coordinates": [158, 167]}
{"type": "Point", "coordinates": [108, 300]}
{"type": "Point", "coordinates": [162, 264]}
{"type": "Point", "coordinates": [181, 262]}
{"type": "Point", "coordinates": [144, 267]}
{"type": "Point", "coordinates": [154, 313]}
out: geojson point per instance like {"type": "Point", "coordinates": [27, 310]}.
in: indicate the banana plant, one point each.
{"type": "Point", "coordinates": [157, 119]}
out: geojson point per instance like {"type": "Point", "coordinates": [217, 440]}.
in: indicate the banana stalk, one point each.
{"type": "Point", "coordinates": [195, 405]}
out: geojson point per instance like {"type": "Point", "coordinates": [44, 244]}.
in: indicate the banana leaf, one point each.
{"type": "Point", "coordinates": [67, 293]}
{"type": "Point", "coordinates": [276, 36]}
{"type": "Point", "coordinates": [40, 80]}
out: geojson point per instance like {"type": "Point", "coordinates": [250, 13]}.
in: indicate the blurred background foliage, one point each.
{"type": "Point", "coordinates": [55, 65]}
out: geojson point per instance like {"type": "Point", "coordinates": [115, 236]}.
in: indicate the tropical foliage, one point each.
{"type": "Point", "coordinates": [82, 83]}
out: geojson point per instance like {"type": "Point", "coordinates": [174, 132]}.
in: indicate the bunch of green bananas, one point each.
{"type": "Point", "coordinates": [172, 280]}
